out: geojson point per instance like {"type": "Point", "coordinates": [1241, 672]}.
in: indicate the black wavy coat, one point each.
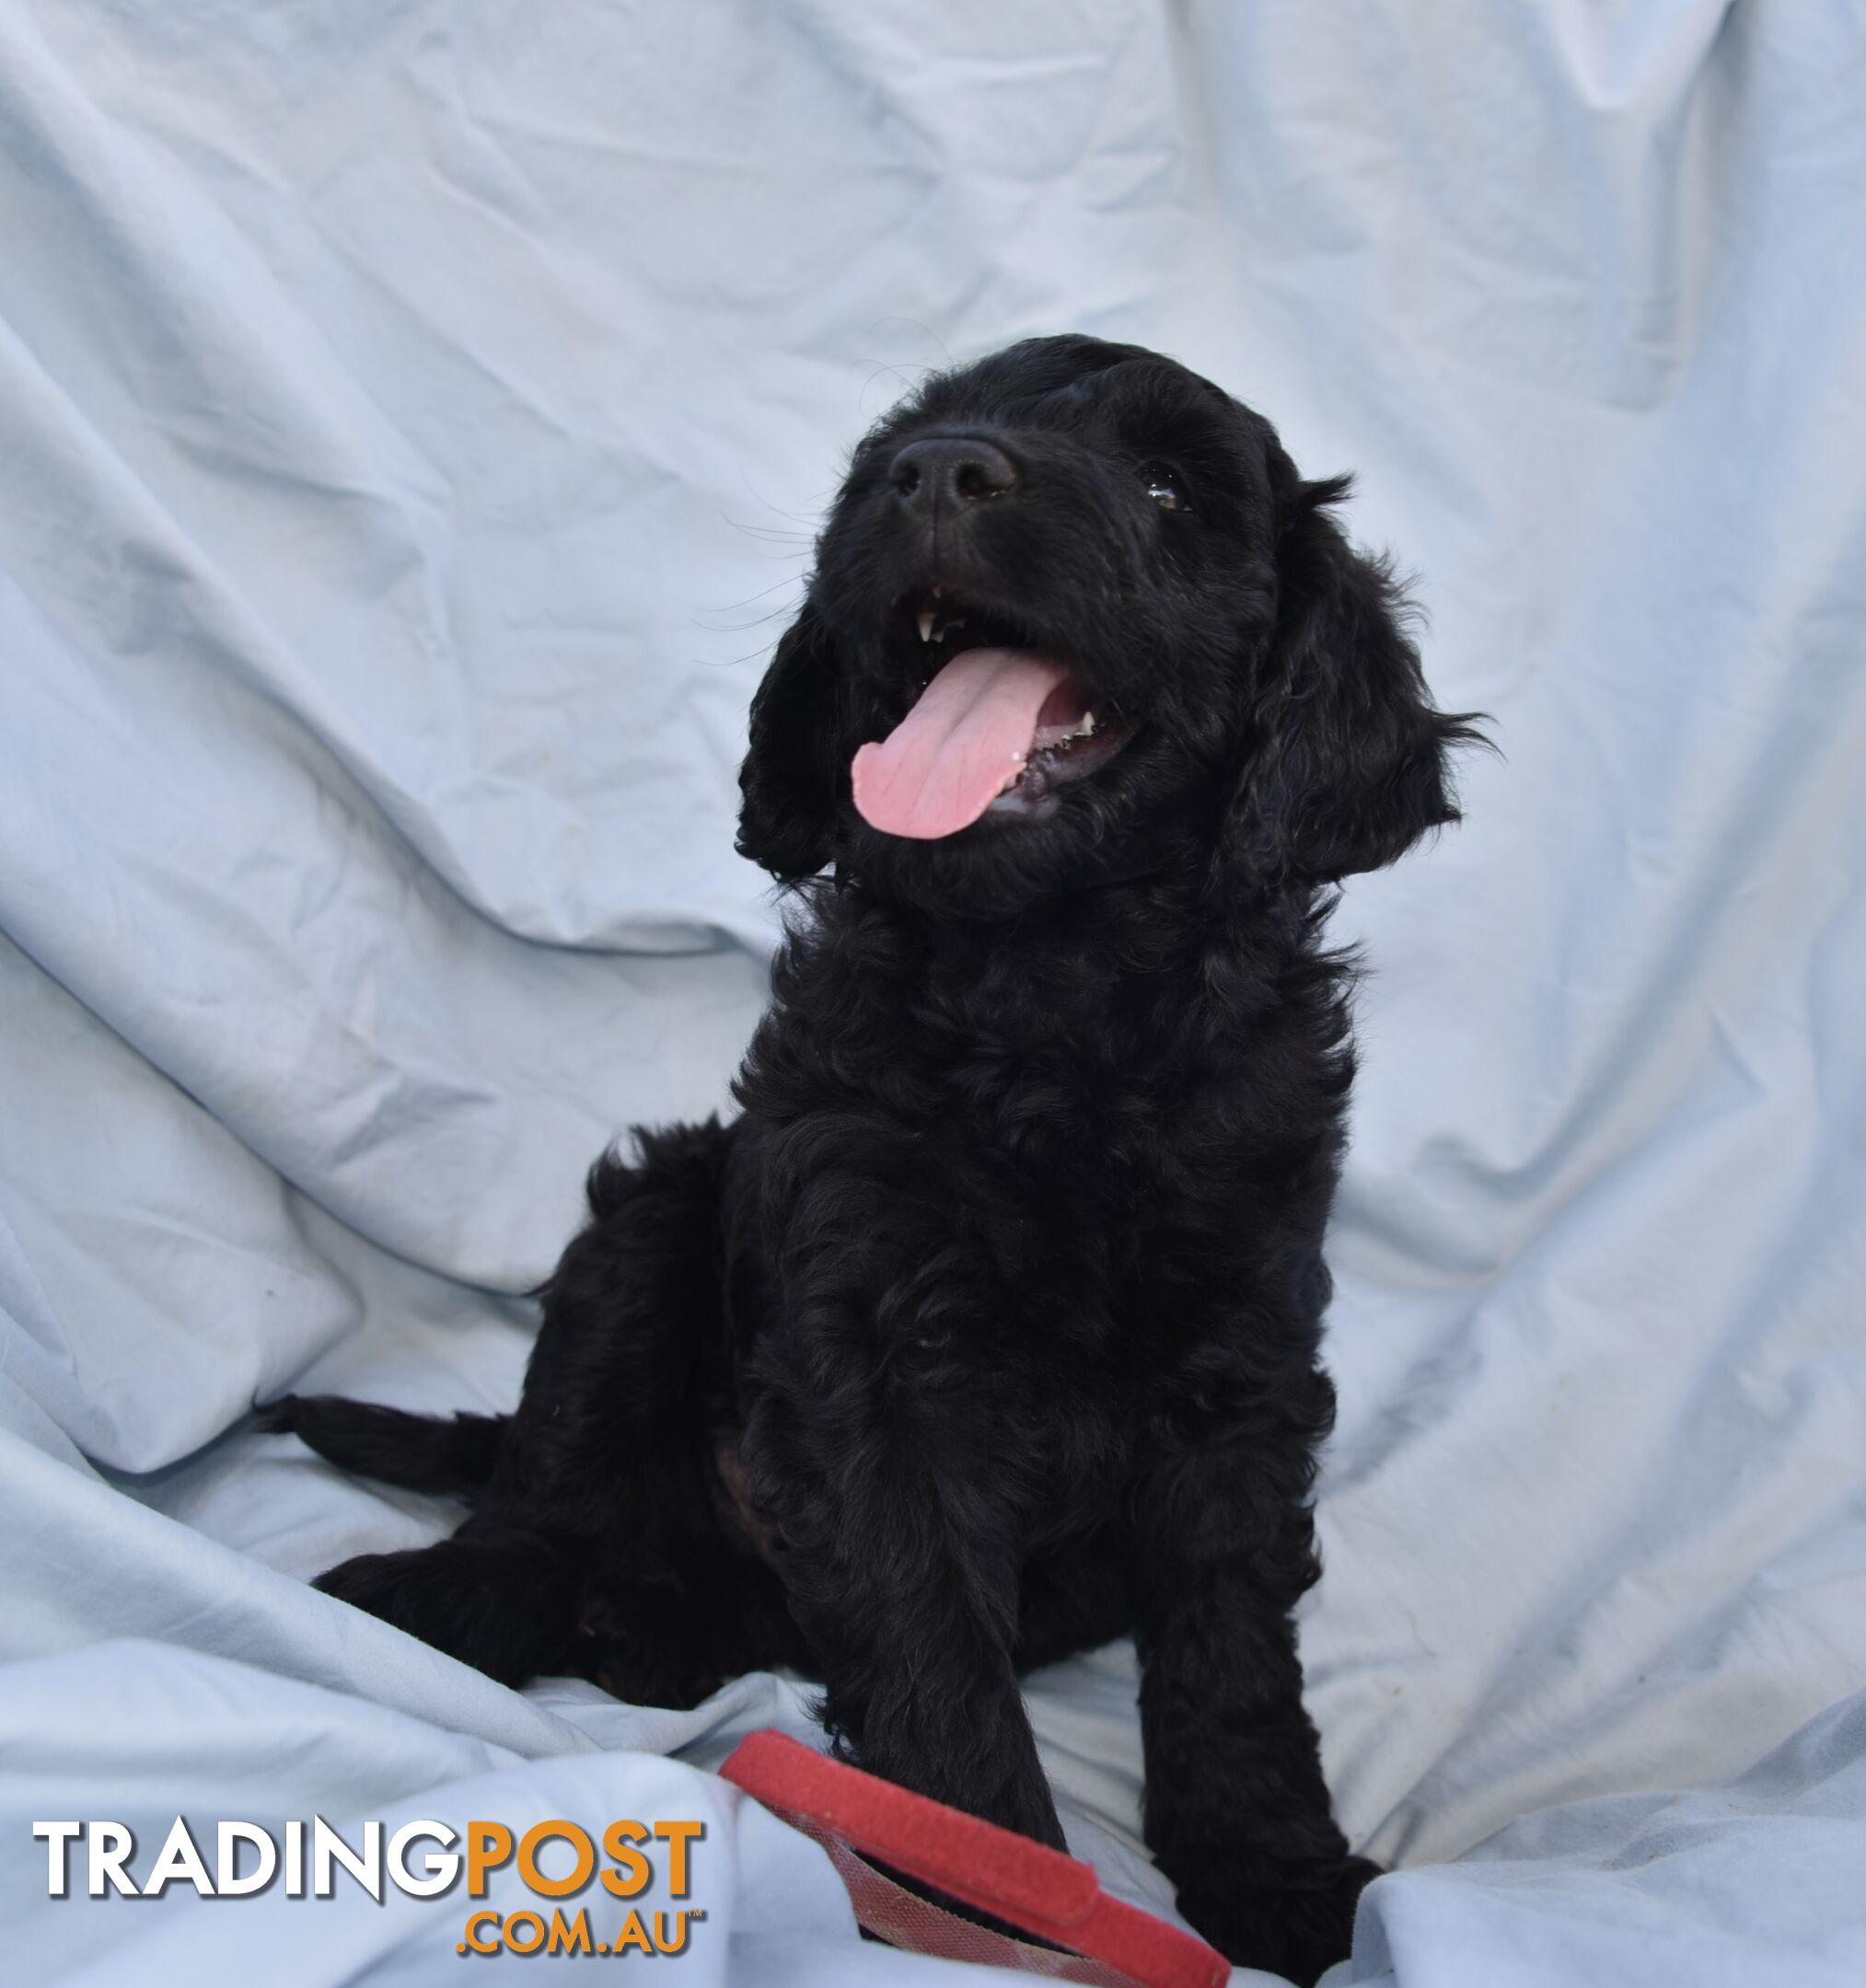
{"type": "Point", "coordinates": [988, 1330]}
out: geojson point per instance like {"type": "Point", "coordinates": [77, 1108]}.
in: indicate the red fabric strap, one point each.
{"type": "Point", "coordinates": [1028, 1884]}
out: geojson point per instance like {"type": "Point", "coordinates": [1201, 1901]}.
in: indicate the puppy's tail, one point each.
{"type": "Point", "coordinates": [449, 1453]}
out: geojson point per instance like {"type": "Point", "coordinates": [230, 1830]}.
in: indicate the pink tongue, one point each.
{"type": "Point", "coordinates": [959, 748]}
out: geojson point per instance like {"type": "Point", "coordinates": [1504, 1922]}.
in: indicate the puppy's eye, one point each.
{"type": "Point", "coordinates": [1163, 486]}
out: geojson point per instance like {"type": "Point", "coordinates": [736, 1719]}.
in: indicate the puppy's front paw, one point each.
{"type": "Point", "coordinates": [1298, 1927]}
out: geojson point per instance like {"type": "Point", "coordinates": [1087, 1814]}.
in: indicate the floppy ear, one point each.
{"type": "Point", "coordinates": [792, 777]}
{"type": "Point", "coordinates": [1347, 765]}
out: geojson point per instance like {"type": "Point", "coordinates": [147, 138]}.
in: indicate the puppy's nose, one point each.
{"type": "Point", "coordinates": [946, 472]}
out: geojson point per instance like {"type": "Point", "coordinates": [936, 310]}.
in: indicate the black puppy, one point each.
{"type": "Point", "coordinates": [988, 1331]}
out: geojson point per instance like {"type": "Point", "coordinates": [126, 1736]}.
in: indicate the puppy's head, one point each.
{"type": "Point", "coordinates": [1075, 606]}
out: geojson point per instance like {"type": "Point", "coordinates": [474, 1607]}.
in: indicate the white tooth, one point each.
{"type": "Point", "coordinates": [939, 592]}
{"type": "Point", "coordinates": [1086, 728]}
{"type": "Point", "coordinates": [925, 621]}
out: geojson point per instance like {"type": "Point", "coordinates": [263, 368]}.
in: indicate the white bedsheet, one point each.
{"type": "Point", "coordinates": [412, 415]}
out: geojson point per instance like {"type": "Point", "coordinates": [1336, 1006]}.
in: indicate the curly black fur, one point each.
{"type": "Point", "coordinates": [988, 1330]}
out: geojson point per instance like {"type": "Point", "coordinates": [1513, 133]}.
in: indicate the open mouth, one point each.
{"type": "Point", "coordinates": [998, 726]}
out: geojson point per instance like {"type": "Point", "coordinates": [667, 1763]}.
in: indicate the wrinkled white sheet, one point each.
{"type": "Point", "coordinates": [412, 419]}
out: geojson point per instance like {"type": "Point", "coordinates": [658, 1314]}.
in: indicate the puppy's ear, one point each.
{"type": "Point", "coordinates": [1346, 768]}
{"type": "Point", "coordinates": [792, 777]}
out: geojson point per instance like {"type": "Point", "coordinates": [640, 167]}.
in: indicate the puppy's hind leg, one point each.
{"type": "Point", "coordinates": [600, 1473]}
{"type": "Point", "coordinates": [499, 1595]}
